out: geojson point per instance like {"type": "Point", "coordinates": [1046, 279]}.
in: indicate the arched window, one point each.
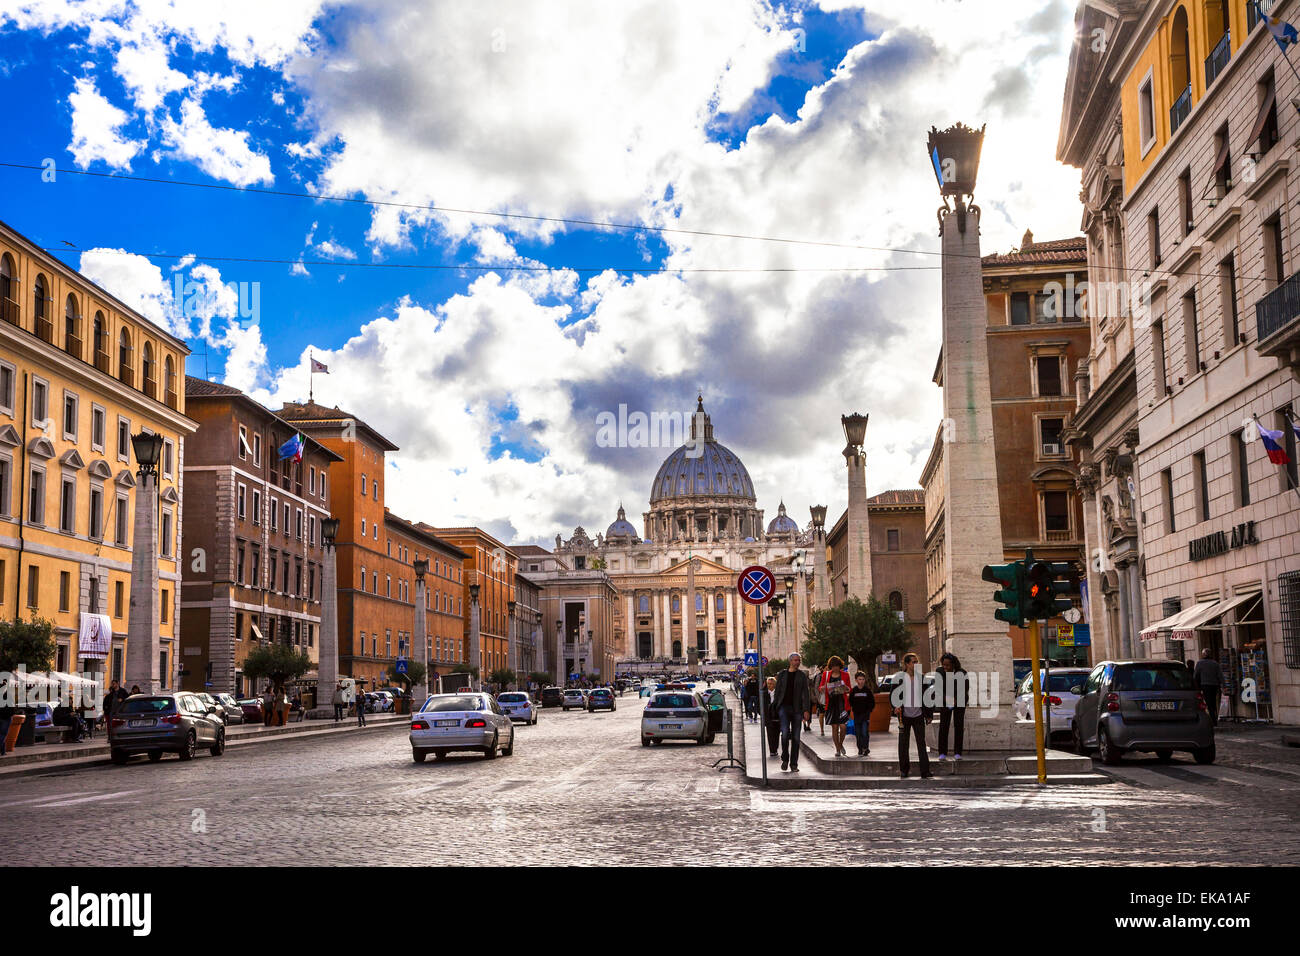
{"type": "Point", "coordinates": [9, 289]}
{"type": "Point", "coordinates": [125, 373]}
{"type": "Point", "coordinates": [41, 310]}
{"type": "Point", "coordinates": [149, 373]}
{"type": "Point", "coordinates": [1217, 37]}
{"type": "Point", "coordinates": [102, 359]}
{"type": "Point", "coordinates": [1180, 70]}
{"type": "Point", "coordinates": [72, 326]}
{"type": "Point", "coordinates": [677, 648]}
{"type": "Point", "coordinates": [896, 603]}
{"type": "Point", "coordinates": [643, 604]}
{"type": "Point", "coordinates": [169, 381]}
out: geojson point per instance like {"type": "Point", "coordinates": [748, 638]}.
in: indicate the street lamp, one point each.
{"type": "Point", "coordinates": [955, 156]}
{"type": "Point", "coordinates": [327, 664]}
{"type": "Point", "coordinates": [418, 631]}
{"type": "Point", "coordinates": [329, 530]}
{"type": "Point", "coordinates": [144, 643]}
{"type": "Point", "coordinates": [475, 656]}
{"type": "Point", "coordinates": [818, 516]}
{"type": "Point", "coordinates": [855, 430]}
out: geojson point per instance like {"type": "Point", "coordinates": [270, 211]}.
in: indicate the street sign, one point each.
{"type": "Point", "coordinates": [400, 665]}
{"type": "Point", "coordinates": [756, 584]}
{"type": "Point", "coordinates": [751, 658]}
{"type": "Point", "coordinates": [1082, 635]}
{"type": "Point", "coordinates": [889, 658]}
{"type": "Point", "coordinates": [1065, 635]}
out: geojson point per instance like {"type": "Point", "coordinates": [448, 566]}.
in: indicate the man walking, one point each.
{"type": "Point", "coordinates": [340, 702]}
{"type": "Point", "coordinates": [793, 705]}
{"type": "Point", "coordinates": [908, 699]}
{"type": "Point", "coordinates": [360, 699]}
{"type": "Point", "coordinates": [1208, 676]}
{"type": "Point", "coordinates": [771, 716]}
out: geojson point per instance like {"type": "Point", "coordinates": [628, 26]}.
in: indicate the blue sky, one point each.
{"type": "Point", "coordinates": [803, 120]}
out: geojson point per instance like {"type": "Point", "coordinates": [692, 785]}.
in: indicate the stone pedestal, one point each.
{"type": "Point", "coordinates": [475, 656]}
{"type": "Point", "coordinates": [858, 545]}
{"type": "Point", "coordinates": [973, 530]}
{"type": "Point", "coordinates": [142, 640]}
{"type": "Point", "coordinates": [420, 645]}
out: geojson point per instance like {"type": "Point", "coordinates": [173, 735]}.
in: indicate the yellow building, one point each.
{"type": "Point", "coordinates": [80, 372]}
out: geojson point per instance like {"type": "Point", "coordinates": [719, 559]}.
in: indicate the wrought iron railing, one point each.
{"type": "Point", "coordinates": [1219, 56]}
{"type": "Point", "coordinates": [1278, 309]}
{"type": "Point", "coordinates": [9, 311]}
{"type": "Point", "coordinates": [1180, 110]}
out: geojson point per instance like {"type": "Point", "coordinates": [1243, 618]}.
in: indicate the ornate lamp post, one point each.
{"type": "Point", "coordinates": [858, 545]}
{"type": "Point", "coordinates": [327, 665]}
{"type": "Point", "coordinates": [821, 589]}
{"type": "Point", "coordinates": [419, 636]}
{"type": "Point", "coordinates": [511, 637]}
{"type": "Point", "coordinates": [475, 657]}
{"type": "Point", "coordinates": [955, 156]}
{"type": "Point", "coordinates": [143, 643]}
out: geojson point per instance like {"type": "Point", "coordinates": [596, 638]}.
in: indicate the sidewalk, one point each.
{"type": "Point", "coordinates": [42, 758]}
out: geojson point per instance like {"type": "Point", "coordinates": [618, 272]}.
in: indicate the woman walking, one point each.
{"type": "Point", "coordinates": [952, 687]}
{"type": "Point", "coordinates": [835, 691]}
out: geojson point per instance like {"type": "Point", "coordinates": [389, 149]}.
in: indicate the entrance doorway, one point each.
{"type": "Point", "coordinates": [644, 645]}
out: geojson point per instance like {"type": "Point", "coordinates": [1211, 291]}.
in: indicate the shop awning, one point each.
{"type": "Point", "coordinates": [1185, 630]}
{"type": "Point", "coordinates": [1175, 621]}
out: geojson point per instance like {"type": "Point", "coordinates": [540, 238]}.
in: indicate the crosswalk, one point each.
{"type": "Point", "coordinates": [1191, 777]}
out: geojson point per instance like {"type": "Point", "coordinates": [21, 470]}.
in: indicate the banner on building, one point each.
{"type": "Point", "coordinates": [96, 637]}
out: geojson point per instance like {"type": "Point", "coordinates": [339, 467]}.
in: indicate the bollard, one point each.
{"type": "Point", "coordinates": [729, 761]}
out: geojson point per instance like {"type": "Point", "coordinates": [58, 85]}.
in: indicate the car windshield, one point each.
{"type": "Point", "coordinates": [147, 705]}
{"type": "Point", "coordinates": [512, 698]}
{"type": "Point", "coordinates": [600, 693]}
{"type": "Point", "coordinates": [450, 703]}
{"type": "Point", "coordinates": [673, 700]}
{"type": "Point", "coordinates": [573, 693]}
{"type": "Point", "coordinates": [1152, 677]}
{"type": "Point", "coordinates": [1060, 682]}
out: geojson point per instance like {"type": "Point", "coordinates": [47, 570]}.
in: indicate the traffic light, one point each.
{"type": "Point", "coordinates": [1012, 578]}
{"type": "Point", "coordinates": [1045, 585]}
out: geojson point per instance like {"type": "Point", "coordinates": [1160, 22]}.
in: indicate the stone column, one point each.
{"type": "Point", "coordinates": [973, 534]}
{"type": "Point", "coordinates": [666, 604]}
{"type": "Point", "coordinates": [730, 603]}
{"type": "Point", "coordinates": [821, 584]}
{"type": "Point", "coordinates": [633, 650]}
{"type": "Point", "coordinates": [690, 619]}
{"type": "Point", "coordinates": [142, 639]}
{"type": "Point", "coordinates": [1135, 608]}
{"type": "Point", "coordinates": [1126, 634]}
{"type": "Point", "coordinates": [419, 642]}
{"type": "Point", "coordinates": [327, 668]}
{"type": "Point", "coordinates": [858, 544]}
{"type": "Point", "coordinates": [475, 655]}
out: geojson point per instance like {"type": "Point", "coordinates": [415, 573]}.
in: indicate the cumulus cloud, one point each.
{"type": "Point", "coordinates": [96, 129]}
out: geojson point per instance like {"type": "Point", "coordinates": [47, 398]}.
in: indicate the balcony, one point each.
{"type": "Point", "coordinates": [9, 312]}
{"type": "Point", "coordinates": [1180, 110]}
{"type": "Point", "coordinates": [45, 329]}
{"type": "Point", "coordinates": [103, 362]}
{"type": "Point", "coordinates": [150, 386]}
{"type": "Point", "coordinates": [72, 345]}
{"type": "Point", "coordinates": [125, 374]}
{"type": "Point", "coordinates": [1277, 322]}
{"type": "Point", "coordinates": [1218, 59]}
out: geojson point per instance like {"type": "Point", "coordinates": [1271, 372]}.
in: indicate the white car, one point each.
{"type": "Point", "coordinates": [1061, 700]}
{"type": "Point", "coordinates": [384, 701]}
{"type": "Point", "coordinates": [573, 697]}
{"type": "Point", "coordinates": [519, 705]}
{"type": "Point", "coordinates": [467, 721]}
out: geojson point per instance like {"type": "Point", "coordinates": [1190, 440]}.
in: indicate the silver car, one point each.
{"type": "Point", "coordinates": [465, 721]}
{"type": "Point", "coordinates": [675, 715]}
{"type": "Point", "coordinates": [1058, 693]}
{"type": "Point", "coordinates": [1149, 706]}
{"type": "Point", "coordinates": [519, 705]}
{"type": "Point", "coordinates": [155, 724]}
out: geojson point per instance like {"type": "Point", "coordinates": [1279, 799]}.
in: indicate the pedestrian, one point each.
{"type": "Point", "coordinates": [861, 702]}
{"type": "Point", "coordinates": [340, 702]}
{"type": "Point", "coordinates": [135, 689]}
{"type": "Point", "coordinates": [912, 713]}
{"type": "Point", "coordinates": [1208, 677]}
{"type": "Point", "coordinates": [6, 718]}
{"type": "Point", "coordinates": [835, 690]}
{"type": "Point", "coordinates": [268, 706]}
{"type": "Point", "coordinates": [771, 716]}
{"type": "Point", "coordinates": [361, 709]}
{"type": "Point", "coordinates": [950, 679]}
{"type": "Point", "coordinates": [793, 701]}
{"type": "Point", "coordinates": [110, 702]}
{"type": "Point", "coordinates": [751, 697]}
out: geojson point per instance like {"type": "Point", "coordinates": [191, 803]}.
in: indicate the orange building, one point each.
{"type": "Point", "coordinates": [491, 566]}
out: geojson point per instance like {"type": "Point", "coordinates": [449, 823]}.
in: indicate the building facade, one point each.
{"type": "Point", "coordinates": [253, 538]}
{"type": "Point", "coordinates": [488, 580]}
{"type": "Point", "coordinates": [80, 373]}
{"type": "Point", "coordinates": [578, 603]}
{"type": "Point", "coordinates": [1208, 209]}
{"type": "Point", "coordinates": [406, 542]}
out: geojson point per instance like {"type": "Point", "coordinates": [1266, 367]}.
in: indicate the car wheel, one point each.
{"type": "Point", "coordinates": [1077, 737]}
{"type": "Point", "coordinates": [1108, 752]}
{"type": "Point", "coordinates": [119, 756]}
{"type": "Point", "coordinates": [219, 747]}
{"type": "Point", "coordinates": [491, 752]}
{"type": "Point", "coordinates": [709, 739]}
{"type": "Point", "coordinates": [419, 755]}
{"type": "Point", "coordinates": [534, 720]}
{"type": "Point", "coordinates": [187, 749]}
{"type": "Point", "coordinates": [645, 741]}
{"type": "Point", "coordinates": [1204, 754]}
{"type": "Point", "coordinates": [1164, 756]}
{"type": "Point", "coordinates": [440, 755]}
{"type": "Point", "coordinates": [154, 756]}
{"type": "Point", "coordinates": [509, 751]}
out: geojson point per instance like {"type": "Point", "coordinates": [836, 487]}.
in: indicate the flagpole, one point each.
{"type": "Point", "coordinates": [311, 375]}
{"type": "Point", "coordinates": [1286, 470]}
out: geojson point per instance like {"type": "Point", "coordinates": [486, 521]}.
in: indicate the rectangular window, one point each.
{"type": "Point", "coordinates": [1228, 300]}
{"type": "Point", "coordinates": [1241, 469]}
{"type": "Point", "coordinates": [257, 448]}
{"type": "Point", "coordinates": [1274, 259]}
{"type": "Point", "coordinates": [40, 403]}
{"type": "Point", "coordinates": [1048, 307]}
{"type": "Point", "coordinates": [1201, 481]}
{"type": "Point", "coordinates": [123, 440]}
{"type": "Point", "coordinates": [1167, 500]}
{"type": "Point", "coordinates": [6, 471]}
{"type": "Point", "coordinates": [165, 535]}
{"type": "Point", "coordinates": [1056, 511]}
{"type": "Point", "coordinates": [1191, 335]}
{"type": "Point", "coordinates": [119, 521]}
{"type": "Point", "coordinates": [8, 375]}
{"type": "Point", "coordinates": [257, 506]}
{"type": "Point", "coordinates": [311, 530]}
{"type": "Point", "coordinates": [1264, 134]}
{"type": "Point", "coordinates": [119, 598]}
{"type": "Point", "coordinates": [322, 486]}
{"type": "Point", "coordinates": [1146, 115]}
{"type": "Point", "coordinates": [243, 443]}
{"type": "Point", "coordinates": [275, 514]}
{"type": "Point", "coordinates": [239, 563]}
{"type": "Point", "coordinates": [97, 428]}
{"type": "Point", "coordinates": [241, 503]}
{"type": "Point", "coordinates": [1291, 470]}
{"type": "Point", "coordinates": [363, 527]}
{"type": "Point", "coordinates": [1222, 170]}
{"type": "Point", "coordinates": [1185, 199]}
{"type": "Point", "coordinates": [892, 538]}
{"type": "Point", "coordinates": [255, 576]}
{"type": "Point", "coordinates": [164, 605]}
{"type": "Point", "coordinates": [1049, 374]}
{"type": "Point", "coordinates": [1049, 430]}
{"type": "Point", "coordinates": [33, 586]}
{"type": "Point", "coordinates": [96, 512]}
{"type": "Point", "coordinates": [168, 457]}
{"type": "Point", "coordinates": [68, 506]}
{"type": "Point", "coordinates": [286, 519]}
{"type": "Point", "coordinates": [363, 486]}
{"type": "Point", "coordinates": [65, 589]}
{"type": "Point", "coordinates": [388, 585]}
{"type": "Point", "coordinates": [1158, 357]}
{"type": "Point", "coordinates": [311, 480]}
{"type": "Point", "coordinates": [297, 524]}
{"type": "Point", "coordinates": [1153, 236]}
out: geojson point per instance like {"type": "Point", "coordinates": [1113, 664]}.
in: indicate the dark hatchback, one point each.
{"type": "Point", "coordinates": [155, 724]}
{"type": "Point", "coordinates": [552, 696]}
{"type": "Point", "coordinates": [1148, 706]}
{"type": "Point", "coordinates": [602, 698]}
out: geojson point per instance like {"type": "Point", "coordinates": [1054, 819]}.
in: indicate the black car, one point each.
{"type": "Point", "coordinates": [601, 698]}
{"type": "Point", "coordinates": [552, 696]}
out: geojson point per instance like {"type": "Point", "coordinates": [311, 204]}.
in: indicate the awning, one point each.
{"type": "Point", "coordinates": [1174, 621]}
{"type": "Point", "coordinates": [1184, 631]}
{"type": "Point", "coordinates": [1262, 117]}
{"type": "Point", "coordinates": [257, 633]}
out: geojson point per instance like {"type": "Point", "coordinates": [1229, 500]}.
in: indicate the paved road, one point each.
{"type": "Point", "coordinates": [581, 788]}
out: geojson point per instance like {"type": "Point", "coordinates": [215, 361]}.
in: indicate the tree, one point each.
{"type": "Point", "coordinates": [415, 674]}
{"type": "Point", "coordinates": [469, 669]}
{"type": "Point", "coordinates": [278, 663]}
{"type": "Point", "coordinates": [29, 644]}
{"type": "Point", "coordinates": [502, 677]}
{"type": "Point", "coordinates": [541, 678]}
{"type": "Point", "coordinates": [775, 666]}
{"type": "Point", "coordinates": [857, 631]}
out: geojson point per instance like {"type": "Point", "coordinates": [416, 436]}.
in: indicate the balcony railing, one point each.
{"type": "Point", "coordinates": [104, 362]}
{"type": "Point", "coordinates": [1218, 58]}
{"type": "Point", "coordinates": [125, 374]}
{"type": "Point", "coordinates": [151, 387]}
{"type": "Point", "coordinates": [72, 345]}
{"type": "Point", "coordinates": [45, 329]}
{"type": "Point", "coordinates": [1277, 319]}
{"type": "Point", "coordinates": [1179, 111]}
{"type": "Point", "coordinates": [9, 311]}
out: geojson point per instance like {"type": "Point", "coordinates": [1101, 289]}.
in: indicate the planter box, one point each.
{"type": "Point", "coordinates": [880, 715]}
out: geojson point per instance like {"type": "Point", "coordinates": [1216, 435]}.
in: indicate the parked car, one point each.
{"type": "Point", "coordinates": [1057, 691]}
{"type": "Point", "coordinates": [519, 705]}
{"type": "Point", "coordinates": [552, 696]}
{"type": "Point", "coordinates": [675, 715]}
{"type": "Point", "coordinates": [212, 701]}
{"type": "Point", "coordinates": [234, 713]}
{"type": "Point", "coordinates": [600, 698]}
{"type": "Point", "coordinates": [450, 722]}
{"type": "Point", "coordinates": [1148, 706]}
{"type": "Point", "coordinates": [573, 697]}
{"type": "Point", "coordinates": [382, 701]}
{"type": "Point", "coordinates": [252, 708]}
{"type": "Point", "coordinates": [155, 724]}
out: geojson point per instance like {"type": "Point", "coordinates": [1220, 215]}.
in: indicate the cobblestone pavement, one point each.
{"type": "Point", "coordinates": [580, 788]}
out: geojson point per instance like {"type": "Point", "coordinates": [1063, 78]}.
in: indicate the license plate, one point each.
{"type": "Point", "coordinates": [670, 726]}
{"type": "Point", "coordinates": [1159, 705]}
{"type": "Point", "coordinates": [141, 723]}
{"type": "Point", "coordinates": [446, 723]}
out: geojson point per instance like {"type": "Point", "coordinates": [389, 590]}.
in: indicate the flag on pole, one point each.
{"type": "Point", "coordinates": [292, 449]}
{"type": "Point", "coordinates": [1272, 444]}
{"type": "Point", "coordinates": [320, 367]}
{"type": "Point", "coordinates": [1283, 33]}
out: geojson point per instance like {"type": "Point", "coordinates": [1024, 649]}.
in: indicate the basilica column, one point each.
{"type": "Point", "coordinates": [632, 648]}
{"type": "Point", "coordinates": [666, 619]}
{"type": "Point", "coordinates": [729, 601]}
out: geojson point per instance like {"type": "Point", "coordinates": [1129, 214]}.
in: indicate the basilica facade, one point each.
{"type": "Point", "coordinates": [702, 528]}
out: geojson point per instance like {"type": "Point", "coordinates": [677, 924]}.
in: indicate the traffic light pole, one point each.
{"type": "Point", "coordinates": [1035, 649]}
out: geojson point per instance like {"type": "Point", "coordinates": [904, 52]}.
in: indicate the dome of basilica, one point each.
{"type": "Point", "coordinates": [621, 528]}
{"type": "Point", "coordinates": [782, 523]}
{"type": "Point", "coordinates": [701, 469]}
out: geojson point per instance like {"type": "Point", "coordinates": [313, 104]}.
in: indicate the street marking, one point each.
{"type": "Point", "coordinates": [60, 796]}
{"type": "Point", "coordinates": [102, 796]}
{"type": "Point", "coordinates": [1005, 798]}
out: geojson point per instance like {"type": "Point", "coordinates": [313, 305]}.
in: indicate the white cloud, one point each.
{"type": "Point", "coordinates": [221, 153]}
{"type": "Point", "coordinates": [96, 129]}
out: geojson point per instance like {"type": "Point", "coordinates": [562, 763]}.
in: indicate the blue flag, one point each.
{"type": "Point", "coordinates": [1283, 33]}
{"type": "Point", "coordinates": [292, 449]}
